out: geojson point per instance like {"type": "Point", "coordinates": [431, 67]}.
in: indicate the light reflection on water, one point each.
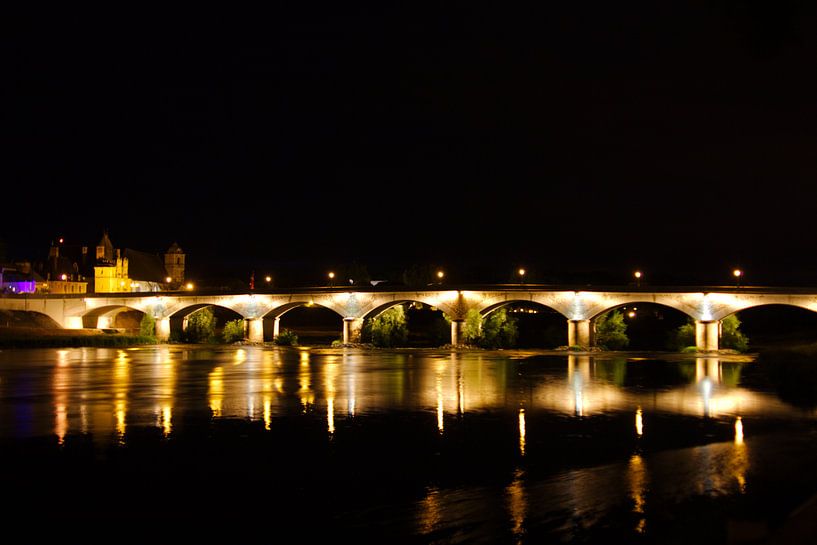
{"type": "Point", "coordinates": [104, 392]}
{"type": "Point", "coordinates": [146, 386]}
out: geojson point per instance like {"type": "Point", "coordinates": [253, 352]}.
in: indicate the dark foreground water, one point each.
{"type": "Point", "coordinates": [270, 445]}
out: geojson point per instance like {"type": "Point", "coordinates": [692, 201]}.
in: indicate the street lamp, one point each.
{"type": "Point", "coordinates": [168, 280]}
{"type": "Point", "coordinates": [521, 273]}
{"type": "Point", "coordinates": [268, 279]}
{"type": "Point", "coordinates": [638, 276]}
{"type": "Point", "coordinates": [440, 275]}
{"type": "Point", "coordinates": [737, 273]}
{"type": "Point", "coordinates": [189, 286]}
{"type": "Point", "coordinates": [331, 276]}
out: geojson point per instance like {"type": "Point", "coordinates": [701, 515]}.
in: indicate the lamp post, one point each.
{"type": "Point", "coordinates": [521, 272]}
{"type": "Point", "coordinates": [637, 275]}
{"type": "Point", "coordinates": [440, 276]}
{"type": "Point", "coordinates": [189, 286]}
{"type": "Point", "coordinates": [331, 276]}
{"type": "Point", "coordinates": [737, 273]}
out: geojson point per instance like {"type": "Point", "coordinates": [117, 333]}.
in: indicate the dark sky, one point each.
{"type": "Point", "coordinates": [581, 140]}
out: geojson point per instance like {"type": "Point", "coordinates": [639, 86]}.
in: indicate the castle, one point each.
{"type": "Point", "coordinates": [70, 269]}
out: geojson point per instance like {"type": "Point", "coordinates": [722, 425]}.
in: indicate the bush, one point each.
{"type": "Point", "coordinates": [611, 331]}
{"type": "Point", "coordinates": [389, 328]}
{"type": "Point", "coordinates": [147, 327]}
{"type": "Point", "coordinates": [233, 331]}
{"type": "Point", "coordinates": [287, 337]}
{"type": "Point", "coordinates": [201, 326]}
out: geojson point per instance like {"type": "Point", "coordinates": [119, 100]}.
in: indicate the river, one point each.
{"type": "Point", "coordinates": [256, 445]}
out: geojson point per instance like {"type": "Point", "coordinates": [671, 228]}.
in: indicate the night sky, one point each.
{"type": "Point", "coordinates": [580, 141]}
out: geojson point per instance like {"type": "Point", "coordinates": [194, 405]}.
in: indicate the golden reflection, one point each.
{"type": "Point", "coordinates": [61, 387]}
{"type": "Point", "coordinates": [706, 396]}
{"type": "Point", "coordinates": [121, 376]}
{"type": "Point", "coordinates": [165, 377]}
{"type": "Point", "coordinates": [739, 463]}
{"type": "Point", "coordinates": [637, 478]}
{"type": "Point", "coordinates": [267, 387]}
{"type": "Point", "coordinates": [455, 359]}
{"type": "Point", "coordinates": [639, 422]}
{"type": "Point", "coordinates": [578, 394]}
{"type": "Point", "coordinates": [167, 419]}
{"type": "Point", "coordinates": [430, 511]}
{"type": "Point", "coordinates": [330, 370]}
{"type": "Point", "coordinates": [305, 381]}
{"type": "Point", "coordinates": [267, 412]}
{"type": "Point", "coordinates": [522, 432]}
{"type": "Point", "coordinates": [517, 505]}
{"type": "Point", "coordinates": [216, 390]}
{"type": "Point", "coordinates": [61, 422]}
{"type": "Point", "coordinates": [240, 356]}
{"type": "Point", "coordinates": [439, 386]}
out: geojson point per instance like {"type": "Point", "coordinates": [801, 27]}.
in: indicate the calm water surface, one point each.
{"type": "Point", "coordinates": [269, 445]}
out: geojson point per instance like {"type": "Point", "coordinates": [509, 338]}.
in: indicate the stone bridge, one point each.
{"type": "Point", "coordinates": [706, 306]}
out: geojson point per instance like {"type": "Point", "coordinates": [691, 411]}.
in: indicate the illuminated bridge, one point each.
{"type": "Point", "coordinates": [580, 306]}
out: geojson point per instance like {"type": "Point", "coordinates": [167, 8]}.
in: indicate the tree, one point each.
{"type": "Point", "coordinates": [731, 336]}
{"type": "Point", "coordinates": [611, 331]}
{"type": "Point", "coordinates": [683, 337]}
{"type": "Point", "coordinates": [499, 330]}
{"type": "Point", "coordinates": [390, 327]}
{"type": "Point", "coordinates": [472, 329]}
{"type": "Point", "coordinates": [233, 331]}
{"type": "Point", "coordinates": [147, 327]}
{"type": "Point", "coordinates": [201, 326]}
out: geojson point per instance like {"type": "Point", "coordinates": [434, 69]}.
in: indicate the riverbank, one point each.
{"type": "Point", "coordinates": [30, 337]}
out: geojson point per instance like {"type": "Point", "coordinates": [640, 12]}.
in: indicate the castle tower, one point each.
{"type": "Point", "coordinates": [174, 264]}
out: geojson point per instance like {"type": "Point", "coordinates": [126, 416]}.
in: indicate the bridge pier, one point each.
{"type": "Point", "coordinates": [255, 329]}
{"type": "Point", "coordinates": [162, 329]}
{"type": "Point", "coordinates": [276, 327]}
{"type": "Point", "coordinates": [457, 327]}
{"type": "Point", "coordinates": [352, 328]}
{"type": "Point", "coordinates": [580, 333]}
{"type": "Point", "coordinates": [706, 335]}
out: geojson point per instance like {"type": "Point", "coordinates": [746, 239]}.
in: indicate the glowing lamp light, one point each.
{"type": "Point", "coordinates": [637, 274]}
{"type": "Point", "coordinates": [268, 279]}
{"type": "Point", "coordinates": [331, 275]}
{"type": "Point", "coordinates": [64, 277]}
{"type": "Point", "coordinates": [521, 272]}
{"type": "Point", "coordinates": [440, 274]}
{"type": "Point", "coordinates": [737, 273]}
{"type": "Point", "coordinates": [631, 314]}
{"type": "Point", "coordinates": [189, 285]}
{"type": "Point", "coordinates": [168, 279]}
{"type": "Point", "coordinates": [62, 240]}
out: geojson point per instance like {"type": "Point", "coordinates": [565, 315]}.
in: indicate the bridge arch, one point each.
{"type": "Point", "coordinates": [428, 323]}
{"type": "Point", "coordinates": [650, 325]}
{"type": "Point", "coordinates": [105, 316]}
{"type": "Point", "coordinates": [610, 305]}
{"type": "Point", "coordinates": [538, 324]}
{"type": "Point", "coordinates": [317, 331]}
